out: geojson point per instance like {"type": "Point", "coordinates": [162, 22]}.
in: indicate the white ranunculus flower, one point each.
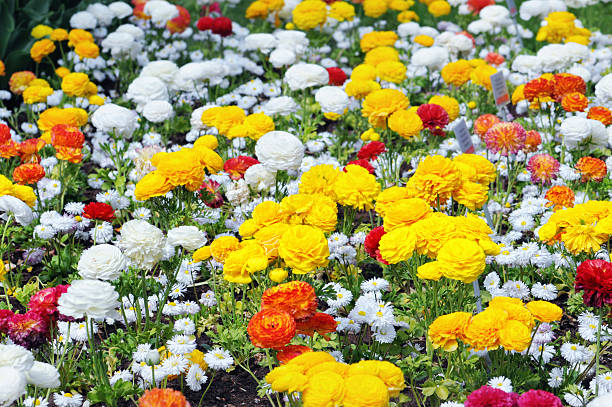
{"type": "Point", "coordinates": [583, 132]}
{"type": "Point", "coordinates": [131, 29]}
{"type": "Point", "coordinates": [260, 177]}
{"type": "Point", "coordinates": [279, 150]}
{"type": "Point", "coordinates": [111, 117]}
{"type": "Point", "coordinates": [142, 243]}
{"type": "Point", "coordinates": [16, 356]}
{"type": "Point", "coordinates": [410, 29]}
{"type": "Point", "coordinates": [460, 43]}
{"type": "Point", "coordinates": [603, 89]}
{"type": "Point", "coordinates": [12, 385]}
{"type": "Point", "coordinates": [146, 88]}
{"type": "Point", "coordinates": [303, 76]}
{"type": "Point", "coordinates": [102, 262]}
{"type": "Point", "coordinates": [433, 58]}
{"type": "Point", "coordinates": [190, 237]}
{"type": "Point", "coordinates": [604, 400]}
{"type": "Point", "coordinates": [162, 69]}
{"type": "Point", "coordinates": [157, 111]}
{"type": "Point", "coordinates": [283, 105]}
{"type": "Point", "coordinates": [196, 118]}
{"type": "Point", "coordinates": [120, 9]}
{"type": "Point", "coordinates": [83, 20]}
{"type": "Point", "coordinates": [92, 298]}
{"type": "Point", "coordinates": [260, 41]}
{"type": "Point", "coordinates": [332, 99]}
{"type": "Point", "coordinates": [282, 57]}
{"type": "Point", "coordinates": [554, 57]}
{"type": "Point", "coordinates": [103, 14]}
{"type": "Point", "coordinates": [160, 11]}
{"type": "Point", "coordinates": [525, 63]}
{"type": "Point", "coordinates": [119, 44]}
{"type": "Point", "coordinates": [43, 375]}
{"type": "Point", "coordinates": [20, 210]}
{"type": "Point", "coordinates": [292, 39]}
{"type": "Point", "coordinates": [479, 27]}
{"type": "Point", "coordinates": [496, 15]}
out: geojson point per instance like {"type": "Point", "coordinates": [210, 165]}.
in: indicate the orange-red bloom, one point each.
{"type": "Point", "coordinates": [297, 298]}
{"type": "Point", "coordinates": [574, 102]}
{"type": "Point", "coordinates": [600, 113]}
{"type": "Point", "coordinates": [320, 323]}
{"type": "Point", "coordinates": [28, 150]}
{"type": "Point", "coordinates": [179, 23]}
{"type": "Point", "coordinates": [271, 329]}
{"type": "Point", "coordinates": [564, 83]}
{"type": "Point", "coordinates": [539, 88]}
{"type": "Point", "coordinates": [28, 173]}
{"type": "Point", "coordinates": [560, 197]}
{"type": "Point", "coordinates": [163, 398]}
{"type": "Point", "coordinates": [290, 351]}
{"type": "Point", "coordinates": [484, 123]}
{"type": "Point", "coordinates": [68, 142]}
{"type": "Point", "coordinates": [591, 169]}
{"type": "Point", "coordinates": [532, 141]}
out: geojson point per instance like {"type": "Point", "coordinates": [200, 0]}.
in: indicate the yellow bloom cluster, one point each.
{"type": "Point", "coordinates": [356, 188]}
{"type": "Point", "coordinates": [78, 84]}
{"type": "Point", "coordinates": [507, 322]}
{"type": "Point", "coordinates": [320, 179]}
{"type": "Point", "coordinates": [380, 104]}
{"type": "Point", "coordinates": [561, 26]}
{"type": "Point", "coordinates": [582, 229]}
{"type": "Point", "coordinates": [37, 91]}
{"type": "Point", "coordinates": [72, 116]}
{"type": "Point", "coordinates": [232, 122]}
{"type": "Point", "coordinates": [324, 382]}
{"type": "Point", "coordinates": [22, 192]}
{"type": "Point", "coordinates": [185, 167]}
{"type": "Point", "coordinates": [309, 14]}
{"type": "Point", "coordinates": [375, 39]}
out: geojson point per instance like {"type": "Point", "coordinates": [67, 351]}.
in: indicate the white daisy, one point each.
{"type": "Point", "coordinates": [218, 359]}
{"type": "Point", "coordinates": [502, 383]}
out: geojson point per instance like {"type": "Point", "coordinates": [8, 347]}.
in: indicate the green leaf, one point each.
{"type": "Point", "coordinates": [442, 392]}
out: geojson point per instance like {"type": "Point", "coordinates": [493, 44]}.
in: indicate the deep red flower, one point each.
{"type": "Point", "coordinates": [372, 241]}
{"type": "Point", "coordinates": [320, 323]}
{"type": "Point", "coordinates": [211, 8]}
{"type": "Point", "coordinates": [476, 5]}
{"type": "Point", "coordinates": [362, 163]}
{"type": "Point", "coordinates": [99, 211]}
{"type": "Point", "coordinates": [434, 118]}
{"type": "Point", "coordinates": [204, 23]}
{"type": "Point", "coordinates": [489, 397]}
{"type": "Point", "coordinates": [594, 278]}
{"type": "Point", "coordinates": [222, 26]}
{"type": "Point", "coordinates": [5, 317]}
{"type": "Point", "coordinates": [45, 301]}
{"type": "Point", "coordinates": [539, 398]}
{"type": "Point", "coordinates": [210, 194]}
{"type": "Point", "coordinates": [372, 150]}
{"type": "Point", "coordinates": [237, 166]}
{"type": "Point", "coordinates": [5, 133]}
{"type": "Point", "coordinates": [337, 77]}
{"type": "Point", "coordinates": [28, 330]}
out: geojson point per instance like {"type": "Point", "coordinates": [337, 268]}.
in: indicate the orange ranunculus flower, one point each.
{"type": "Point", "coordinates": [298, 298]}
{"type": "Point", "coordinates": [28, 150]}
{"type": "Point", "coordinates": [560, 197]}
{"type": "Point", "coordinates": [20, 80]}
{"type": "Point", "coordinates": [73, 155]}
{"type": "Point", "coordinates": [41, 49]}
{"type": "Point", "coordinates": [574, 102]}
{"type": "Point", "coordinates": [59, 34]}
{"type": "Point", "coordinates": [78, 35]}
{"type": "Point", "coordinates": [484, 122]}
{"type": "Point", "coordinates": [86, 49]}
{"type": "Point", "coordinates": [446, 329]}
{"type": "Point", "coordinates": [65, 135]}
{"type": "Point", "coordinates": [2, 69]}
{"type": "Point", "coordinates": [540, 89]}
{"type": "Point", "coordinates": [9, 149]}
{"type": "Point", "coordinates": [163, 398]}
{"type": "Point", "coordinates": [5, 133]}
{"type": "Point", "coordinates": [29, 173]}
{"type": "Point", "coordinates": [290, 351]}
{"type": "Point", "coordinates": [591, 169]}
{"type": "Point", "coordinates": [271, 329]}
{"type": "Point", "coordinates": [532, 141]}
{"type": "Point", "coordinates": [565, 83]}
{"type": "Point", "coordinates": [179, 23]}
{"type": "Point", "coordinates": [601, 114]}
{"type": "Point", "coordinates": [320, 323]}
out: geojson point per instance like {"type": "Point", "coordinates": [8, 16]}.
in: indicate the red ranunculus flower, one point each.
{"type": "Point", "coordinates": [594, 278]}
{"type": "Point", "coordinates": [5, 133]}
{"type": "Point", "coordinates": [434, 118]}
{"type": "Point", "coordinates": [372, 242]}
{"type": "Point", "coordinates": [476, 5]}
{"type": "Point", "coordinates": [337, 77]}
{"type": "Point", "coordinates": [493, 58]}
{"type": "Point", "coordinates": [222, 26]}
{"type": "Point", "coordinates": [539, 398]}
{"type": "Point", "coordinates": [320, 323]}
{"type": "Point", "coordinates": [28, 330]}
{"type": "Point", "coordinates": [99, 211]}
{"type": "Point", "coordinates": [287, 353]}
{"type": "Point", "coordinates": [237, 166]}
{"type": "Point", "coordinates": [5, 317]}
{"type": "Point", "coordinates": [211, 8]}
{"type": "Point", "coordinates": [489, 397]}
{"type": "Point", "coordinates": [372, 150]}
{"type": "Point", "coordinates": [28, 173]}
{"type": "Point", "coordinates": [362, 163]}
{"type": "Point", "coordinates": [209, 193]}
{"type": "Point", "coordinates": [204, 23]}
